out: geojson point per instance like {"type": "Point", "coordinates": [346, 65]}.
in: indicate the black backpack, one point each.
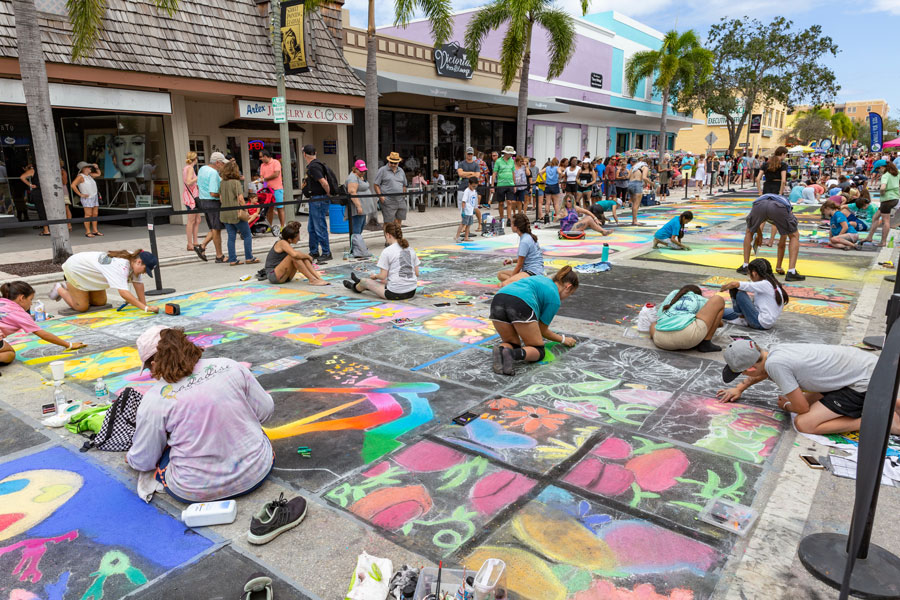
{"type": "Point", "coordinates": [338, 191]}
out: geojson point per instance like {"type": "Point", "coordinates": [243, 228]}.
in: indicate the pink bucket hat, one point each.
{"type": "Point", "coordinates": [147, 343]}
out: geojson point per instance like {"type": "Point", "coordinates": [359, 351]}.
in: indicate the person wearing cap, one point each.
{"type": "Point", "coordinates": [209, 179]}
{"type": "Point", "coordinates": [86, 188]}
{"type": "Point", "coordinates": [503, 179]}
{"type": "Point", "coordinates": [317, 187]}
{"type": "Point", "coordinates": [824, 385]}
{"type": "Point", "coordinates": [391, 179]}
{"type": "Point", "coordinates": [362, 203]}
{"type": "Point", "coordinates": [90, 274]}
{"type": "Point", "coordinates": [466, 169]}
{"type": "Point", "coordinates": [199, 426]}
{"type": "Point", "coordinates": [270, 173]}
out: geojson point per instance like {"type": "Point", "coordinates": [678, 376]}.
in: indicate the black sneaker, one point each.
{"type": "Point", "coordinates": [508, 223]}
{"type": "Point", "coordinates": [351, 286]}
{"type": "Point", "coordinates": [744, 270]}
{"type": "Point", "coordinates": [794, 276]}
{"type": "Point", "coordinates": [275, 518]}
{"type": "Point", "coordinates": [314, 256]}
{"type": "Point", "coordinates": [324, 258]}
{"type": "Point", "coordinates": [354, 277]}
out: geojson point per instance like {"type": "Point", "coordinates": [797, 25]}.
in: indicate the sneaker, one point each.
{"type": "Point", "coordinates": [258, 588]}
{"type": "Point", "coordinates": [351, 286]}
{"type": "Point", "coordinates": [743, 270]}
{"type": "Point", "coordinates": [546, 219]}
{"type": "Point", "coordinates": [276, 230]}
{"type": "Point", "coordinates": [707, 346]}
{"type": "Point", "coordinates": [54, 293]}
{"type": "Point", "coordinates": [354, 277]}
{"type": "Point", "coordinates": [275, 518]}
{"type": "Point", "coordinates": [324, 258]}
{"type": "Point", "coordinates": [497, 360]}
{"type": "Point", "coordinates": [794, 276]}
{"type": "Point", "coordinates": [741, 321]}
{"type": "Point", "coordinates": [509, 223]}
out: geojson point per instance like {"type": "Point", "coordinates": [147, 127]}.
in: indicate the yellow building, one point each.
{"type": "Point", "coordinates": [857, 110]}
{"type": "Point", "coordinates": [772, 126]}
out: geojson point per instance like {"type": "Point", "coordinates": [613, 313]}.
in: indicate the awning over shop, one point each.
{"type": "Point", "coordinates": [66, 95]}
{"type": "Point", "coordinates": [639, 116]}
{"type": "Point", "coordinates": [396, 83]}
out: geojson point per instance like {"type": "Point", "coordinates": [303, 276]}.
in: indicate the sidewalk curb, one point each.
{"type": "Point", "coordinates": [188, 258]}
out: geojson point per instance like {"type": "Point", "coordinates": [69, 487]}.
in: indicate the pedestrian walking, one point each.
{"type": "Point", "coordinates": [361, 204]}
{"type": "Point", "coordinates": [86, 187]}
{"type": "Point", "coordinates": [231, 194]}
{"type": "Point", "coordinates": [209, 179]}
{"type": "Point", "coordinates": [317, 189]}
{"type": "Point", "coordinates": [189, 196]}
{"type": "Point", "coordinates": [390, 183]}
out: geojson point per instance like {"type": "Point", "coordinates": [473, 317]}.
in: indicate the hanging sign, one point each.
{"type": "Point", "coordinates": [755, 123]}
{"type": "Point", "coordinates": [293, 37]}
{"type": "Point", "coordinates": [451, 61]}
{"type": "Point", "coordinates": [876, 130]}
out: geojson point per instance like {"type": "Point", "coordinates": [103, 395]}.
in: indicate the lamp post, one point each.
{"type": "Point", "coordinates": [283, 131]}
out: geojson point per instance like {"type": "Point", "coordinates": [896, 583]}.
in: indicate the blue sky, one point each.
{"type": "Point", "coordinates": [857, 30]}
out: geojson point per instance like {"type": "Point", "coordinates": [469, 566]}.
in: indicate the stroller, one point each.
{"type": "Point", "coordinates": [258, 225]}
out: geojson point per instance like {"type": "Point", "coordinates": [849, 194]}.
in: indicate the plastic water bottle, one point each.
{"type": "Point", "coordinates": [604, 256]}
{"type": "Point", "coordinates": [40, 314]}
{"type": "Point", "coordinates": [59, 397]}
{"type": "Point", "coordinates": [101, 392]}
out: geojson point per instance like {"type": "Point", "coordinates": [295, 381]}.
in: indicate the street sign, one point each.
{"type": "Point", "coordinates": [744, 144]}
{"type": "Point", "coordinates": [279, 109]}
{"type": "Point", "coordinates": [711, 138]}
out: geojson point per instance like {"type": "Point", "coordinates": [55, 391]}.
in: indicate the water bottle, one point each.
{"type": "Point", "coordinates": [466, 591]}
{"type": "Point", "coordinates": [101, 392]}
{"type": "Point", "coordinates": [40, 314]}
{"type": "Point", "coordinates": [59, 397]}
{"type": "Point", "coordinates": [604, 257]}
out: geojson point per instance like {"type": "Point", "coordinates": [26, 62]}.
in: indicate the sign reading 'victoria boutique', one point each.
{"type": "Point", "coordinates": [451, 61]}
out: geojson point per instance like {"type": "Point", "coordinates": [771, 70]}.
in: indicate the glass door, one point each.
{"type": "Point", "coordinates": [450, 145]}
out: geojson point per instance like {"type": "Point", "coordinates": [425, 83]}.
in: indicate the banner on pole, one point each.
{"type": "Point", "coordinates": [293, 37]}
{"type": "Point", "coordinates": [876, 130]}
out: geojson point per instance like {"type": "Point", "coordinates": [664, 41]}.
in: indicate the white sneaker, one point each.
{"type": "Point", "coordinates": [740, 321]}
{"type": "Point", "coordinates": [54, 293]}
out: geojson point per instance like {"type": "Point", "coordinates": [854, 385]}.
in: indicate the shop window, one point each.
{"type": "Point", "coordinates": [198, 145]}
{"type": "Point", "coordinates": [621, 142]}
{"type": "Point", "coordinates": [482, 136]}
{"type": "Point", "coordinates": [131, 153]}
{"type": "Point", "coordinates": [273, 145]}
{"type": "Point", "coordinates": [639, 141]}
{"type": "Point", "coordinates": [450, 145]}
{"type": "Point", "coordinates": [234, 150]}
{"type": "Point", "coordinates": [408, 134]}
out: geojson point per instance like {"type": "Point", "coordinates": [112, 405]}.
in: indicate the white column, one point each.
{"type": "Point", "coordinates": [467, 132]}
{"type": "Point", "coordinates": [432, 151]}
{"type": "Point", "coordinates": [177, 140]}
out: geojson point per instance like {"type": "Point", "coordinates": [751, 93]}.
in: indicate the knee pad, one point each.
{"type": "Point", "coordinates": [541, 353]}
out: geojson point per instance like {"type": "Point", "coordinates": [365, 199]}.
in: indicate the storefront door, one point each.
{"type": "Point", "coordinates": [450, 145]}
{"type": "Point", "coordinates": [621, 142]}
{"type": "Point", "coordinates": [571, 142]}
{"type": "Point", "coordinates": [544, 145]}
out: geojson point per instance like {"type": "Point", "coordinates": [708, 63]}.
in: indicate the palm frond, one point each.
{"type": "Point", "coordinates": [511, 52]}
{"type": "Point", "coordinates": [641, 65]}
{"type": "Point", "coordinates": [86, 17]}
{"type": "Point", "coordinates": [489, 18]}
{"type": "Point", "coordinates": [438, 12]}
{"type": "Point", "coordinates": [560, 27]}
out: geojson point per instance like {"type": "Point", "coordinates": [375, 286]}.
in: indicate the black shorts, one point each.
{"type": "Point", "coordinates": [504, 193]}
{"type": "Point", "coordinates": [887, 206]}
{"type": "Point", "coordinates": [571, 188]}
{"type": "Point", "coordinates": [845, 401]}
{"type": "Point", "coordinates": [520, 195]}
{"type": "Point", "coordinates": [772, 211]}
{"type": "Point", "coordinates": [511, 309]}
{"type": "Point", "coordinates": [212, 215]}
{"type": "Point", "coordinates": [389, 295]}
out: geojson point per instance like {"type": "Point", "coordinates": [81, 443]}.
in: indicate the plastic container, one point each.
{"type": "Point", "coordinates": [58, 370]}
{"type": "Point", "coordinates": [487, 579]}
{"type": "Point", "coordinates": [40, 314]}
{"type": "Point", "coordinates": [730, 516]}
{"type": "Point", "coordinates": [59, 397]}
{"type": "Point", "coordinates": [451, 579]}
{"type": "Point", "coordinates": [339, 223]}
{"type": "Point", "coordinates": [209, 513]}
{"type": "Point", "coordinates": [101, 392]}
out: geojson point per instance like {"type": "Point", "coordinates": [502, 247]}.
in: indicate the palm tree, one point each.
{"type": "Point", "coordinates": [679, 64]}
{"type": "Point", "coordinates": [841, 127]}
{"type": "Point", "coordinates": [86, 18]}
{"type": "Point", "coordinates": [515, 54]}
{"type": "Point", "coordinates": [438, 12]}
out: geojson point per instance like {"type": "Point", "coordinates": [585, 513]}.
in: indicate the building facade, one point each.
{"type": "Point", "coordinates": [773, 124]}
{"type": "Point", "coordinates": [586, 109]}
{"type": "Point", "coordinates": [857, 110]}
{"type": "Point", "coordinates": [158, 86]}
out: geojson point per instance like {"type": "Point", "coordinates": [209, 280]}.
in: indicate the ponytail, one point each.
{"type": "Point", "coordinates": [129, 256]}
{"type": "Point", "coordinates": [522, 224]}
{"type": "Point", "coordinates": [14, 289]}
{"type": "Point", "coordinates": [686, 289]}
{"type": "Point", "coordinates": [775, 161]}
{"type": "Point", "coordinates": [763, 268]}
{"type": "Point", "coordinates": [396, 232]}
{"type": "Point", "coordinates": [566, 276]}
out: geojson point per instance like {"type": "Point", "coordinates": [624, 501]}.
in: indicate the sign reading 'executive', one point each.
{"type": "Point", "coordinates": [451, 61]}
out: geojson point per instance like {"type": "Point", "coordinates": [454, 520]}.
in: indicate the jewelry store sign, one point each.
{"type": "Point", "coordinates": [296, 113]}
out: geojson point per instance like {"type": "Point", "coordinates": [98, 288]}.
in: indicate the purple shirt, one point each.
{"type": "Point", "coordinates": [211, 421]}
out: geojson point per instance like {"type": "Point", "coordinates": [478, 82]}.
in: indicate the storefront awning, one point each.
{"type": "Point", "coordinates": [396, 83]}
{"type": "Point", "coordinates": [680, 119]}
{"type": "Point", "coordinates": [65, 95]}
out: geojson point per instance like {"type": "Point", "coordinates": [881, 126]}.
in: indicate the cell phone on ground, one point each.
{"type": "Point", "coordinates": [48, 409]}
{"type": "Point", "coordinates": [465, 418]}
{"type": "Point", "coordinates": [811, 461]}
{"type": "Point", "coordinates": [464, 303]}
{"type": "Point", "coordinates": [442, 304]}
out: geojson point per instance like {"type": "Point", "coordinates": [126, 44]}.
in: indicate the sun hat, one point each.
{"type": "Point", "coordinates": [739, 356]}
{"type": "Point", "coordinates": [393, 157]}
{"type": "Point", "coordinates": [360, 165]}
{"type": "Point", "coordinates": [216, 157]}
{"type": "Point", "coordinates": [147, 343]}
{"type": "Point", "coordinates": [509, 150]}
{"type": "Point", "coordinates": [82, 165]}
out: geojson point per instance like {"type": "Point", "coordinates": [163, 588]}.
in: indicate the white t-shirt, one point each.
{"type": "Point", "coordinates": [819, 367]}
{"type": "Point", "coordinates": [860, 163]}
{"type": "Point", "coordinates": [572, 174]}
{"type": "Point", "coordinates": [764, 299]}
{"type": "Point", "coordinates": [468, 201]}
{"type": "Point", "coordinates": [400, 263]}
{"type": "Point", "coordinates": [95, 271]}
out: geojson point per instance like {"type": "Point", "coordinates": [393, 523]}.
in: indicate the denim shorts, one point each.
{"type": "Point", "coordinates": [467, 220]}
{"type": "Point", "coordinates": [635, 187]}
{"type": "Point", "coordinates": [551, 189]}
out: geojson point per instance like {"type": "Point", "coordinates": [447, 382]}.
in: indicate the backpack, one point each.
{"type": "Point", "coordinates": [117, 431]}
{"type": "Point", "coordinates": [333, 185]}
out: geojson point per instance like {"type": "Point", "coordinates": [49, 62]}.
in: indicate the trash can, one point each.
{"type": "Point", "coordinates": [339, 223]}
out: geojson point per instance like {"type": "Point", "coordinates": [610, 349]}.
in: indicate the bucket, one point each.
{"type": "Point", "coordinates": [339, 223]}
{"type": "Point", "coordinates": [487, 578]}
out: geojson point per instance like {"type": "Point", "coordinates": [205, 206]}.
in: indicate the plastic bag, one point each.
{"type": "Point", "coordinates": [370, 579]}
{"type": "Point", "coordinates": [646, 318]}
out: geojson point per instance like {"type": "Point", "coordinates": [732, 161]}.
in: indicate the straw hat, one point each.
{"type": "Point", "coordinates": [393, 157]}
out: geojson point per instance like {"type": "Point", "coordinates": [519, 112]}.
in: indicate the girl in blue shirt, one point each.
{"type": "Point", "coordinates": [843, 235]}
{"type": "Point", "coordinates": [530, 259]}
{"type": "Point", "coordinates": [673, 231]}
{"type": "Point", "coordinates": [521, 313]}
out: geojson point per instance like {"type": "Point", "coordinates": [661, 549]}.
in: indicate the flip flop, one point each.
{"type": "Point", "coordinates": [89, 235]}
{"type": "Point", "coordinates": [235, 263]}
{"type": "Point", "coordinates": [98, 233]}
{"type": "Point", "coordinates": [252, 261]}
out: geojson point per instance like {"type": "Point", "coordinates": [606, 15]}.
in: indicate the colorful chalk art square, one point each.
{"type": "Point", "coordinates": [268, 321]}
{"type": "Point", "coordinates": [388, 312]}
{"type": "Point", "coordinates": [465, 329]}
{"type": "Point", "coordinates": [327, 332]}
{"type": "Point", "coordinates": [102, 364]}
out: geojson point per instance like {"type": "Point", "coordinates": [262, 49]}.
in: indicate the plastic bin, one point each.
{"type": "Point", "coordinates": [339, 223]}
{"type": "Point", "coordinates": [450, 581]}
